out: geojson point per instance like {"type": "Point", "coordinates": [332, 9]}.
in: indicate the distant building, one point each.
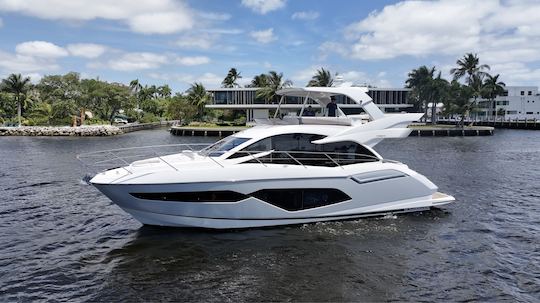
{"type": "Point", "coordinates": [517, 102]}
{"type": "Point", "coordinates": [388, 99]}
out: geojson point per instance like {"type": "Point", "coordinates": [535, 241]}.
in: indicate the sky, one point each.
{"type": "Point", "coordinates": [179, 42]}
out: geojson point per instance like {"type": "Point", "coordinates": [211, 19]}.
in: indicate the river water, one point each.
{"type": "Point", "coordinates": [61, 240]}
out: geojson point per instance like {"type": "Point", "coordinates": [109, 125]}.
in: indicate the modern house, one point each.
{"type": "Point", "coordinates": [517, 103]}
{"type": "Point", "coordinates": [388, 99]}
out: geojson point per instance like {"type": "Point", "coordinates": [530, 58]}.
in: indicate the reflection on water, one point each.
{"type": "Point", "coordinates": [62, 240]}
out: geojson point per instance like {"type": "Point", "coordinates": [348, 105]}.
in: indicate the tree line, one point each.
{"type": "Point", "coordinates": [430, 88]}
{"type": "Point", "coordinates": [69, 99]}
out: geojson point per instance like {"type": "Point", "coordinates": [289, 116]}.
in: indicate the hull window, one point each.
{"type": "Point", "coordinates": [293, 199]}
{"type": "Point", "coordinates": [202, 196]}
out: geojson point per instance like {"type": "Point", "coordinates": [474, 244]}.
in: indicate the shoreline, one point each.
{"type": "Point", "coordinates": [79, 131]}
{"type": "Point", "coordinates": [62, 131]}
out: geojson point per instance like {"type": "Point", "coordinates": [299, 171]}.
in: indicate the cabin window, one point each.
{"type": "Point", "coordinates": [293, 199]}
{"type": "Point", "coordinates": [300, 147]}
{"type": "Point", "coordinates": [222, 146]}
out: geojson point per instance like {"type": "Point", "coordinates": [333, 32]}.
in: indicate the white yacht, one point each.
{"type": "Point", "coordinates": [288, 170]}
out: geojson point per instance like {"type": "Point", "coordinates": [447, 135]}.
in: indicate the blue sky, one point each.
{"type": "Point", "coordinates": [180, 42]}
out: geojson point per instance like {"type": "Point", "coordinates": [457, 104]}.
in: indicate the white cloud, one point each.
{"type": "Point", "coordinates": [142, 16]}
{"type": "Point", "coordinates": [449, 27]}
{"type": "Point", "coordinates": [264, 36]}
{"type": "Point", "coordinates": [17, 63]}
{"type": "Point", "coordinates": [137, 61]}
{"type": "Point", "coordinates": [161, 22]}
{"type": "Point", "coordinates": [307, 15]}
{"type": "Point", "coordinates": [42, 49]}
{"type": "Point", "coordinates": [214, 16]}
{"type": "Point", "coordinates": [224, 31]}
{"type": "Point", "coordinates": [516, 73]}
{"type": "Point", "coordinates": [196, 41]}
{"type": "Point", "coordinates": [86, 50]}
{"type": "Point", "coordinates": [196, 60]}
{"type": "Point", "coordinates": [209, 80]}
{"type": "Point", "coordinates": [303, 76]}
{"type": "Point", "coordinates": [263, 6]}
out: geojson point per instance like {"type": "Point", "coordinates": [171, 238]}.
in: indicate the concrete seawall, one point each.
{"type": "Point", "coordinates": [83, 131]}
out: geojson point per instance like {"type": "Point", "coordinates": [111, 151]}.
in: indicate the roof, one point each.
{"type": "Point", "coordinates": [322, 95]}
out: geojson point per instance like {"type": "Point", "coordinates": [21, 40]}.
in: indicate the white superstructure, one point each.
{"type": "Point", "coordinates": [285, 170]}
{"type": "Point", "coordinates": [517, 103]}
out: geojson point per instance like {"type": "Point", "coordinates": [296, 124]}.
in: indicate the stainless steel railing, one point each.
{"type": "Point", "coordinates": [123, 157]}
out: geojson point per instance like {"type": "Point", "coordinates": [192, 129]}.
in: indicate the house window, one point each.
{"type": "Point", "coordinates": [530, 113]}
{"type": "Point", "coordinates": [529, 93]}
{"type": "Point", "coordinates": [511, 112]}
{"type": "Point", "coordinates": [523, 93]}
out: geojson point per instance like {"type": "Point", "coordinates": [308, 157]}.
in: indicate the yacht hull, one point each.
{"type": "Point", "coordinates": [365, 195]}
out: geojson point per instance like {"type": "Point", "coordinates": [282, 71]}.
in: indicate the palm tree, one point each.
{"type": "Point", "coordinates": [18, 86]}
{"type": "Point", "coordinates": [230, 79]}
{"type": "Point", "coordinates": [469, 66]}
{"type": "Point", "coordinates": [322, 78]}
{"type": "Point", "coordinates": [419, 80]}
{"type": "Point", "coordinates": [274, 83]}
{"type": "Point", "coordinates": [259, 81]}
{"type": "Point", "coordinates": [477, 90]}
{"type": "Point", "coordinates": [493, 88]}
{"type": "Point", "coordinates": [164, 91]}
{"type": "Point", "coordinates": [437, 92]}
{"type": "Point", "coordinates": [135, 86]}
{"type": "Point", "coordinates": [198, 96]}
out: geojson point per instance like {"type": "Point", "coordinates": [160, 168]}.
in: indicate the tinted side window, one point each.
{"type": "Point", "coordinates": [293, 199]}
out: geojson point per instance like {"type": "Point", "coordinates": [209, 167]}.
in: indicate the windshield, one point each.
{"type": "Point", "coordinates": [222, 146]}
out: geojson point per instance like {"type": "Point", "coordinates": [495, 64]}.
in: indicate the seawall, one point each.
{"type": "Point", "coordinates": [91, 130]}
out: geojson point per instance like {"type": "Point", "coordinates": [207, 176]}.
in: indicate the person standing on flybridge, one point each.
{"type": "Point", "coordinates": [332, 107]}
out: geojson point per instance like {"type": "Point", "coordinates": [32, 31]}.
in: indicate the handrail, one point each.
{"type": "Point", "coordinates": [113, 158]}
{"type": "Point", "coordinates": [106, 159]}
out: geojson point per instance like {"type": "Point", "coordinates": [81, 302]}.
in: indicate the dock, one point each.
{"type": "Point", "coordinates": [448, 131]}
{"type": "Point", "coordinates": [418, 131]}
{"type": "Point", "coordinates": [221, 131]}
{"type": "Point", "coordinates": [520, 124]}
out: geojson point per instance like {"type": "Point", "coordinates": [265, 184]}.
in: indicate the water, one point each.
{"type": "Point", "coordinates": [61, 240]}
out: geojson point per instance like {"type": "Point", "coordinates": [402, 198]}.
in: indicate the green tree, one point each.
{"type": "Point", "coordinates": [437, 92]}
{"type": "Point", "coordinates": [493, 88]}
{"type": "Point", "coordinates": [230, 79]}
{"type": "Point", "coordinates": [198, 96]}
{"type": "Point", "coordinates": [469, 66]}
{"type": "Point", "coordinates": [65, 95]}
{"type": "Point", "coordinates": [459, 100]}
{"type": "Point", "coordinates": [274, 83]}
{"type": "Point", "coordinates": [164, 91]}
{"type": "Point", "coordinates": [116, 97]}
{"type": "Point", "coordinates": [18, 86]}
{"type": "Point", "coordinates": [179, 108]}
{"type": "Point", "coordinates": [323, 78]}
{"type": "Point", "coordinates": [419, 80]}
{"type": "Point", "coordinates": [259, 81]}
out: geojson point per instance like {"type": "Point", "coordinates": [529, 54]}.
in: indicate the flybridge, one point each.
{"type": "Point", "coordinates": [323, 96]}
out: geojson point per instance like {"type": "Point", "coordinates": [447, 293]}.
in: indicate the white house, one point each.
{"type": "Point", "coordinates": [517, 102]}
